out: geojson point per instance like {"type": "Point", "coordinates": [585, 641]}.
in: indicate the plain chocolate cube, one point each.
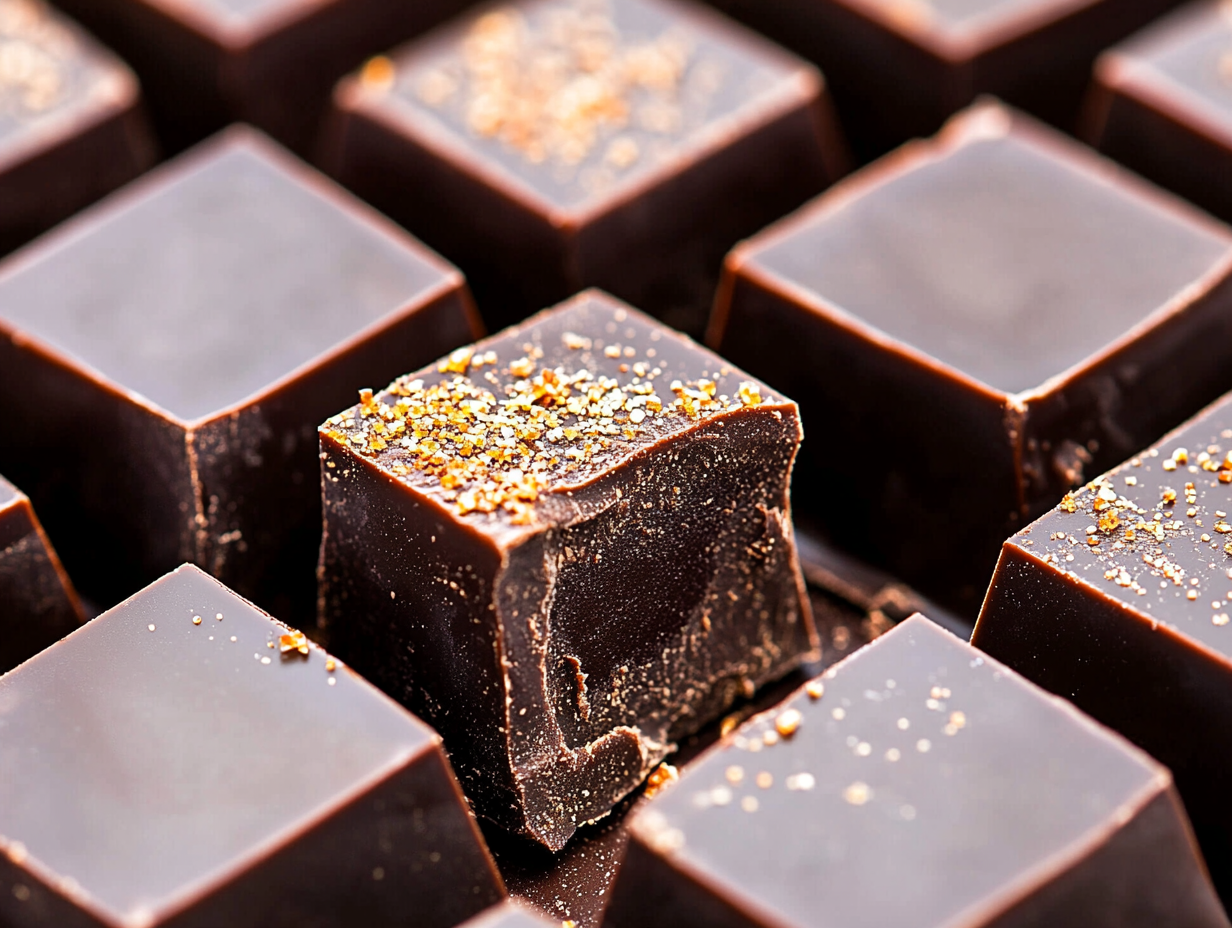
{"type": "Point", "coordinates": [972, 326]}
{"type": "Point", "coordinates": [38, 605]}
{"type": "Point", "coordinates": [550, 145]}
{"type": "Point", "coordinates": [186, 760]}
{"type": "Point", "coordinates": [1120, 598]}
{"type": "Point", "coordinates": [918, 783]}
{"type": "Point", "coordinates": [565, 547]}
{"type": "Point", "coordinates": [166, 357]}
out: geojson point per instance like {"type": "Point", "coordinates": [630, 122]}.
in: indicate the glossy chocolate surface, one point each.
{"type": "Point", "coordinates": [1038, 297]}
{"type": "Point", "coordinates": [1161, 104]}
{"type": "Point", "coordinates": [899, 68]}
{"type": "Point", "coordinates": [188, 335]}
{"type": "Point", "coordinates": [917, 783]}
{"type": "Point", "coordinates": [1120, 600]}
{"type": "Point", "coordinates": [271, 63]}
{"type": "Point", "coordinates": [587, 137]}
{"type": "Point", "coordinates": [596, 564]}
{"type": "Point", "coordinates": [38, 605]}
{"type": "Point", "coordinates": [70, 125]}
{"type": "Point", "coordinates": [511, 915]}
{"type": "Point", "coordinates": [180, 761]}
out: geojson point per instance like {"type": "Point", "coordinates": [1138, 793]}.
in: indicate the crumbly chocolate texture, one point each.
{"type": "Point", "coordinates": [917, 783]}
{"type": "Point", "coordinates": [1120, 599]}
{"type": "Point", "coordinates": [625, 144]}
{"type": "Point", "coordinates": [566, 547]}
{"type": "Point", "coordinates": [1018, 313]}
{"type": "Point", "coordinates": [38, 605]}
{"type": "Point", "coordinates": [71, 121]}
{"type": "Point", "coordinates": [1159, 104]}
{"type": "Point", "coordinates": [184, 759]}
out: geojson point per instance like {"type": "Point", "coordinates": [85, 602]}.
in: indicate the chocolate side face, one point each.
{"type": "Point", "coordinates": [183, 738]}
{"type": "Point", "coordinates": [971, 790]}
{"type": "Point", "coordinates": [623, 543]}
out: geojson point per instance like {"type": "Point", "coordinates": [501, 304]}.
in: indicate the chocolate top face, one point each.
{"type": "Point", "coordinates": [1192, 53]}
{"type": "Point", "coordinates": [1156, 532]}
{"type": "Point", "coordinates": [543, 407]}
{"type": "Point", "coordinates": [572, 100]}
{"type": "Point", "coordinates": [147, 754]}
{"type": "Point", "coordinates": [57, 74]}
{"type": "Point", "coordinates": [961, 17]}
{"type": "Point", "coordinates": [509, 915]}
{"type": "Point", "coordinates": [996, 251]}
{"type": "Point", "coordinates": [891, 801]}
{"type": "Point", "coordinates": [8, 492]}
{"type": "Point", "coordinates": [226, 273]}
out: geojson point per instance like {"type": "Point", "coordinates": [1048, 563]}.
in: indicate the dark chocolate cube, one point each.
{"type": "Point", "coordinates": [551, 145]}
{"type": "Point", "coordinates": [899, 68]}
{"type": "Point", "coordinates": [71, 127]}
{"type": "Point", "coordinates": [916, 784]}
{"type": "Point", "coordinates": [37, 603]}
{"type": "Point", "coordinates": [166, 358]}
{"type": "Point", "coordinates": [1120, 599]}
{"type": "Point", "coordinates": [184, 760]}
{"type": "Point", "coordinates": [272, 63]}
{"type": "Point", "coordinates": [1161, 104]}
{"type": "Point", "coordinates": [565, 547]}
{"type": "Point", "coordinates": [971, 325]}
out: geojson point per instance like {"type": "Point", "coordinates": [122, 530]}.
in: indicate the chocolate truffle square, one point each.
{"type": "Point", "coordinates": [971, 326]}
{"type": "Point", "coordinates": [1120, 599]}
{"type": "Point", "coordinates": [38, 605]}
{"type": "Point", "coordinates": [272, 63]}
{"type": "Point", "coordinates": [565, 547]}
{"type": "Point", "coordinates": [186, 760]}
{"type": "Point", "coordinates": [1161, 104]}
{"type": "Point", "coordinates": [899, 68]}
{"type": "Point", "coordinates": [550, 145]}
{"type": "Point", "coordinates": [916, 784]}
{"type": "Point", "coordinates": [71, 126]}
{"type": "Point", "coordinates": [165, 360]}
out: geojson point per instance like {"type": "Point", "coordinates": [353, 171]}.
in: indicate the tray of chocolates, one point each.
{"type": "Point", "coordinates": [615, 464]}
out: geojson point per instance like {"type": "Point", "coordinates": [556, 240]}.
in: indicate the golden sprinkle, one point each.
{"type": "Point", "coordinates": [764, 780]}
{"type": "Point", "coordinates": [660, 777]}
{"type": "Point", "coordinates": [750, 394]}
{"type": "Point", "coordinates": [815, 689]}
{"type": "Point", "coordinates": [330, 665]}
{"type": "Point", "coordinates": [728, 725]}
{"type": "Point", "coordinates": [749, 804]}
{"type": "Point", "coordinates": [858, 793]}
{"type": "Point", "coordinates": [196, 620]}
{"type": "Point", "coordinates": [378, 73]}
{"type": "Point", "coordinates": [292, 642]}
{"type": "Point", "coordinates": [734, 774]}
{"type": "Point", "coordinates": [788, 722]}
{"type": "Point", "coordinates": [150, 627]}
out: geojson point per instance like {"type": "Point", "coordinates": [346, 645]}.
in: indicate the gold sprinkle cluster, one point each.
{"type": "Point", "coordinates": [34, 49]}
{"type": "Point", "coordinates": [565, 85]}
{"type": "Point", "coordinates": [1120, 524]}
{"type": "Point", "coordinates": [497, 447]}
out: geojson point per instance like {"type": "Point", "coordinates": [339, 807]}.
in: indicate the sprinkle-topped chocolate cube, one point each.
{"type": "Point", "coordinates": [166, 358]}
{"type": "Point", "coordinates": [971, 326]}
{"type": "Point", "coordinates": [184, 760]}
{"type": "Point", "coordinates": [566, 547]}
{"type": "Point", "coordinates": [1162, 104]}
{"type": "Point", "coordinates": [1120, 599]}
{"type": "Point", "coordinates": [550, 145]}
{"type": "Point", "coordinates": [71, 128]}
{"type": "Point", "coordinates": [916, 784]}
{"type": "Point", "coordinates": [37, 603]}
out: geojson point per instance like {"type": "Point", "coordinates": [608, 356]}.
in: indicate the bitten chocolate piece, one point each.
{"type": "Point", "coordinates": [916, 784]}
{"type": "Point", "coordinates": [272, 63]}
{"type": "Point", "coordinates": [1120, 599]}
{"type": "Point", "coordinates": [1161, 104]}
{"type": "Point", "coordinates": [186, 760]}
{"type": "Point", "coordinates": [166, 358]}
{"type": "Point", "coordinates": [898, 68]}
{"type": "Point", "coordinates": [37, 603]}
{"type": "Point", "coordinates": [971, 325]}
{"type": "Point", "coordinates": [550, 145]}
{"type": "Point", "coordinates": [71, 127]}
{"type": "Point", "coordinates": [566, 547]}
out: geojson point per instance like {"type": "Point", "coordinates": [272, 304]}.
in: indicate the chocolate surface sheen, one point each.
{"type": "Point", "coordinates": [566, 547]}
{"type": "Point", "coordinates": [916, 784]}
{"type": "Point", "coordinates": [1120, 599]}
{"type": "Point", "coordinates": [186, 760]}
